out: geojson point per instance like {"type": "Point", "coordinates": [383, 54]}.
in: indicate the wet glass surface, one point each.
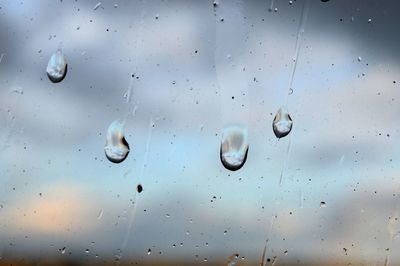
{"type": "Point", "coordinates": [177, 73]}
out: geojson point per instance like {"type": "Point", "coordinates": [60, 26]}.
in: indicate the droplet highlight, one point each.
{"type": "Point", "coordinates": [282, 124]}
{"type": "Point", "coordinates": [57, 67]}
{"type": "Point", "coordinates": [234, 147]}
{"type": "Point", "coordinates": [116, 148]}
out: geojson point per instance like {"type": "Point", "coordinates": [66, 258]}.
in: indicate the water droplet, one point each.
{"type": "Point", "coordinates": [233, 259]}
{"type": "Point", "coordinates": [290, 91]}
{"type": "Point", "coordinates": [57, 67]}
{"type": "Point", "coordinates": [369, 20]}
{"type": "Point", "coordinates": [116, 148]}
{"type": "Point", "coordinates": [322, 204]}
{"type": "Point", "coordinates": [139, 188]}
{"type": "Point", "coordinates": [282, 124]}
{"type": "Point", "coordinates": [62, 250]}
{"type": "Point", "coordinates": [87, 251]}
{"type": "Point", "coordinates": [290, 2]}
{"type": "Point", "coordinates": [234, 147]}
{"type": "Point", "coordinates": [359, 59]}
{"type": "Point", "coordinates": [276, 9]}
{"type": "Point", "coordinates": [324, 1]}
{"type": "Point", "coordinates": [149, 251]}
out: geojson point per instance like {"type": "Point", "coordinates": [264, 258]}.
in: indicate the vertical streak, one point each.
{"type": "Point", "coordinates": [131, 111]}
{"type": "Point", "coordinates": [387, 260]}
{"type": "Point", "coordinates": [230, 72]}
{"type": "Point", "coordinates": [263, 262]}
{"type": "Point", "coordinates": [271, 7]}
{"type": "Point", "coordinates": [285, 159]}
{"type": "Point", "coordinates": [1, 57]}
{"type": "Point", "coordinates": [136, 201]}
{"type": "Point", "coordinates": [304, 15]}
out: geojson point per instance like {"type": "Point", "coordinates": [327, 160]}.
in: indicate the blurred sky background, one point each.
{"type": "Point", "coordinates": [196, 69]}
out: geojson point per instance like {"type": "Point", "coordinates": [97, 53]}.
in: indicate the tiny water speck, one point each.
{"type": "Point", "coordinates": [139, 188]}
{"type": "Point", "coordinates": [116, 148]}
{"type": "Point", "coordinates": [234, 147]}
{"type": "Point", "coordinates": [282, 124]}
{"type": "Point", "coordinates": [57, 67]}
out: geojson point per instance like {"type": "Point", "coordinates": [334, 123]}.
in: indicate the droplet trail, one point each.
{"type": "Point", "coordinates": [234, 147]}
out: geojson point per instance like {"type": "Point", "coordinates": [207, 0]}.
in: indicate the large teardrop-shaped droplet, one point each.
{"type": "Point", "coordinates": [117, 148]}
{"type": "Point", "coordinates": [282, 124]}
{"type": "Point", "coordinates": [57, 67]}
{"type": "Point", "coordinates": [234, 147]}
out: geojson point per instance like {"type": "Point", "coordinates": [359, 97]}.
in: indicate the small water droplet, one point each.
{"type": "Point", "coordinates": [322, 204]}
{"type": "Point", "coordinates": [282, 124]}
{"type": "Point", "coordinates": [234, 147]}
{"type": "Point", "coordinates": [62, 250]}
{"type": "Point", "coordinates": [359, 59]}
{"type": "Point", "coordinates": [116, 148]}
{"type": "Point", "coordinates": [290, 91]}
{"type": "Point", "coordinates": [87, 251]}
{"type": "Point", "coordinates": [369, 20]}
{"type": "Point", "coordinates": [139, 188]}
{"type": "Point", "coordinates": [233, 259]}
{"type": "Point", "coordinates": [276, 9]}
{"type": "Point", "coordinates": [167, 215]}
{"type": "Point", "coordinates": [57, 67]}
{"type": "Point", "coordinates": [149, 251]}
{"type": "Point", "coordinates": [290, 2]}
